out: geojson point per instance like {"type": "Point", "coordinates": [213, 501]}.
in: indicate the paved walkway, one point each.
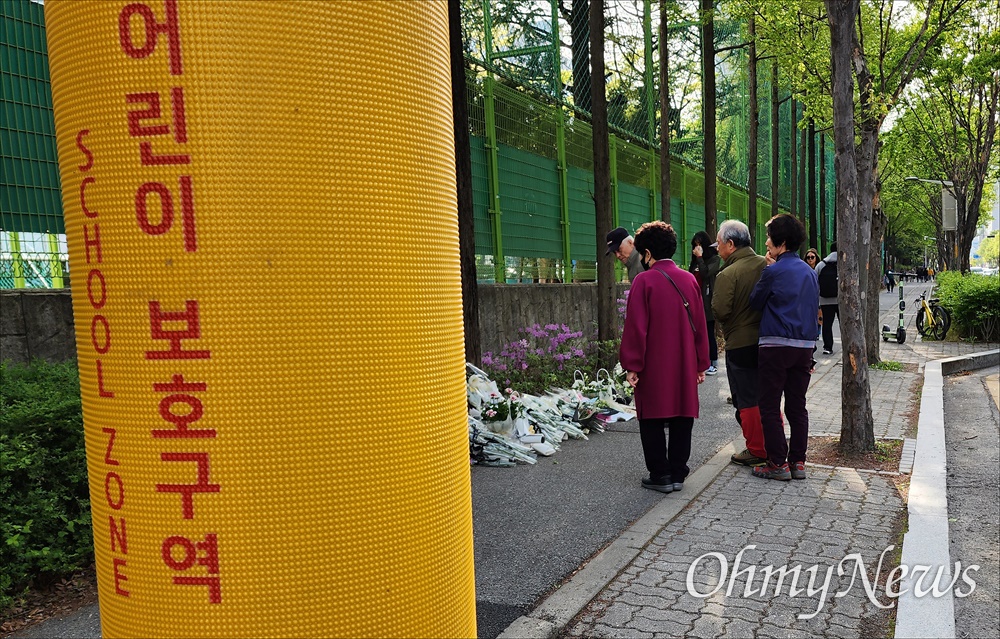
{"type": "Point", "coordinates": [812, 523]}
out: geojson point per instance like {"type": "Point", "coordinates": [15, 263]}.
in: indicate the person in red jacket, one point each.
{"type": "Point", "coordinates": [664, 350]}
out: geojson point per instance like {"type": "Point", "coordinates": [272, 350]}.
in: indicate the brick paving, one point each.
{"type": "Point", "coordinates": [809, 523]}
{"type": "Point", "coordinates": [816, 522]}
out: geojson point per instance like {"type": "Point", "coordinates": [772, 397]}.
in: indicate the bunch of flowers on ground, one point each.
{"type": "Point", "coordinates": [506, 428]}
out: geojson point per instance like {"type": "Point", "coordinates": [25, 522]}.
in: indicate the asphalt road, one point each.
{"type": "Point", "coordinates": [535, 525]}
{"type": "Point", "coordinates": [972, 437]}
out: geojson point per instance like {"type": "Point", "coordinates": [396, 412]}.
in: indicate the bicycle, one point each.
{"type": "Point", "coordinates": [933, 320]}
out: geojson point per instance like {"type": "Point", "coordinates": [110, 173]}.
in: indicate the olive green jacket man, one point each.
{"type": "Point", "coordinates": [731, 302]}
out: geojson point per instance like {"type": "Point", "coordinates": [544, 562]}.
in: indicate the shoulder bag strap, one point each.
{"type": "Point", "coordinates": [687, 307]}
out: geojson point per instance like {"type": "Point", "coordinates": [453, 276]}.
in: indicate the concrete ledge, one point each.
{"type": "Point", "coordinates": [926, 542]}
{"type": "Point", "coordinates": [970, 362]}
{"type": "Point", "coordinates": [558, 609]}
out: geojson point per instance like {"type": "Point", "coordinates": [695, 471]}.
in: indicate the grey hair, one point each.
{"type": "Point", "coordinates": [736, 232]}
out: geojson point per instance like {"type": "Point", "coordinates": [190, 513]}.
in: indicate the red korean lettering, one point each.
{"type": "Point", "coordinates": [138, 129]}
{"type": "Point", "coordinates": [188, 491]}
{"type": "Point", "coordinates": [181, 395]}
{"type": "Point", "coordinates": [150, 32]}
{"type": "Point", "coordinates": [166, 218]}
{"type": "Point", "coordinates": [192, 330]}
{"type": "Point", "coordinates": [209, 549]}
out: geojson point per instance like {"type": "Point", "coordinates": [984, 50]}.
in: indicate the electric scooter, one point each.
{"type": "Point", "coordinates": [899, 334]}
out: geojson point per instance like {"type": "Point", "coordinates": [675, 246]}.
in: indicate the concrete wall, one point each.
{"type": "Point", "coordinates": [39, 323]}
{"type": "Point", "coordinates": [504, 309]}
{"type": "Point", "coordinates": [36, 324]}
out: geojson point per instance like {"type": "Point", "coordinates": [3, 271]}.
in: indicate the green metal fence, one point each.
{"type": "Point", "coordinates": [531, 144]}
{"type": "Point", "coordinates": [529, 88]}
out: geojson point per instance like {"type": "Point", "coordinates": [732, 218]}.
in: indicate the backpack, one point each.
{"type": "Point", "coordinates": [828, 280]}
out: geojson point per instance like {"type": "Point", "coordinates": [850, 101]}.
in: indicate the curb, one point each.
{"type": "Point", "coordinates": [970, 362]}
{"type": "Point", "coordinates": [559, 608]}
{"type": "Point", "coordinates": [926, 542]}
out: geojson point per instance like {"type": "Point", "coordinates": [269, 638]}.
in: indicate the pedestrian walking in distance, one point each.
{"type": "Point", "coordinates": [664, 352]}
{"type": "Point", "coordinates": [787, 296]}
{"type": "Point", "coordinates": [828, 292]}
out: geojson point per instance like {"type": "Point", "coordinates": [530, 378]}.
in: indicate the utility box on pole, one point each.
{"type": "Point", "coordinates": [949, 211]}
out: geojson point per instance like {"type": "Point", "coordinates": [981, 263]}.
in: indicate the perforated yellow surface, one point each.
{"type": "Point", "coordinates": [259, 199]}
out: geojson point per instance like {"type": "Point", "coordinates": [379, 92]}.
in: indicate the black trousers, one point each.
{"type": "Point", "coordinates": [830, 311]}
{"type": "Point", "coordinates": [663, 460]}
{"type": "Point", "coordinates": [784, 370]}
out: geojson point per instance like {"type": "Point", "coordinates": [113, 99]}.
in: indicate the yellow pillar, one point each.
{"type": "Point", "coordinates": [261, 216]}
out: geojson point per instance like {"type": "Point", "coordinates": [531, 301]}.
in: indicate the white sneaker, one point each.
{"type": "Point", "coordinates": [711, 370]}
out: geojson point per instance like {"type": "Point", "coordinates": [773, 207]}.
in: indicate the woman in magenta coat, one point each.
{"type": "Point", "coordinates": [665, 352]}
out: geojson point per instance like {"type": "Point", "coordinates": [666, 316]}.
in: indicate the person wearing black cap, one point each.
{"type": "Point", "coordinates": [621, 244]}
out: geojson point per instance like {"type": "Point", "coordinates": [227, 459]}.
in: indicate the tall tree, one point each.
{"type": "Point", "coordinates": [606, 316]}
{"type": "Point", "coordinates": [664, 113]}
{"type": "Point", "coordinates": [793, 145]}
{"type": "Point", "coordinates": [857, 428]}
{"type": "Point", "coordinates": [775, 138]}
{"type": "Point", "coordinates": [463, 175]}
{"type": "Point", "coordinates": [811, 186]}
{"type": "Point", "coordinates": [578, 17]}
{"type": "Point", "coordinates": [708, 112]}
{"type": "Point", "coordinates": [960, 112]}
{"type": "Point", "coordinates": [752, 182]}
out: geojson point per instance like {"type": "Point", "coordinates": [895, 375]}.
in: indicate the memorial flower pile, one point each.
{"type": "Point", "coordinates": [508, 427]}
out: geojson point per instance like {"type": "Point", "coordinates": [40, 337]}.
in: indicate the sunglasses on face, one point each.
{"type": "Point", "coordinates": [811, 257]}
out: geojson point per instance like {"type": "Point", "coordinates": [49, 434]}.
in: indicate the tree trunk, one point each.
{"type": "Point", "coordinates": [793, 178]}
{"type": "Point", "coordinates": [873, 327]}
{"type": "Point", "coordinates": [775, 140]}
{"type": "Point", "coordinates": [708, 112]}
{"type": "Point", "coordinates": [463, 175]}
{"type": "Point", "coordinates": [811, 173]}
{"type": "Point", "coordinates": [664, 116]}
{"type": "Point", "coordinates": [857, 432]}
{"type": "Point", "coordinates": [579, 30]}
{"type": "Point", "coordinates": [823, 246]}
{"type": "Point", "coordinates": [754, 128]}
{"type": "Point", "coordinates": [803, 164]}
{"type": "Point", "coordinates": [606, 316]}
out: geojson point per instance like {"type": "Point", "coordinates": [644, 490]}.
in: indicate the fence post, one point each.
{"type": "Point", "coordinates": [647, 37]}
{"type": "Point", "coordinates": [684, 211]}
{"type": "Point", "coordinates": [492, 154]}
{"type": "Point", "coordinates": [563, 166]}
{"type": "Point", "coordinates": [16, 261]}
{"type": "Point", "coordinates": [613, 163]}
{"type": "Point", "coordinates": [55, 264]}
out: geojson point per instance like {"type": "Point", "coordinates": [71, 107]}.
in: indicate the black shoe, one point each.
{"type": "Point", "coordinates": [678, 485]}
{"type": "Point", "coordinates": [827, 351]}
{"type": "Point", "coordinates": [660, 485]}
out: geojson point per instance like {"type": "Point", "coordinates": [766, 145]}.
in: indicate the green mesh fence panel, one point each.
{"type": "Point", "coordinates": [29, 173]}
{"type": "Point", "coordinates": [480, 197]}
{"type": "Point", "coordinates": [529, 197]}
{"type": "Point", "coordinates": [633, 206]}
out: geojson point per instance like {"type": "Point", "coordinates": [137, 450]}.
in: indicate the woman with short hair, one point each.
{"type": "Point", "coordinates": [664, 350]}
{"type": "Point", "coordinates": [787, 295]}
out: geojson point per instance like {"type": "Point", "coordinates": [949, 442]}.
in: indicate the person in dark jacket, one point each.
{"type": "Point", "coordinates": [705, 264]}
{"type": "Point", "coordinates": [787, 295]}
{"type": "Point", "coordinates": [664, 350]}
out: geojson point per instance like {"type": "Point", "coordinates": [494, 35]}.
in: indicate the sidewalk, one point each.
{"type": "Point", "coordinates": [812, 523]}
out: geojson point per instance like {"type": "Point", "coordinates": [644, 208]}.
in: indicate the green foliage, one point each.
{"type": "Point", "coordinates": [887, 365]}
{"type": "Point", "coordinates": [45, 511]}
{"type": "Point", "coordinates": [974, 303]}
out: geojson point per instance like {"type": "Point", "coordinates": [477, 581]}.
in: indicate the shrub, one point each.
{"type": "Point", "coordinates": [546, 356]}
{"type": "Point", "coordinates": [45, 511]}
{"type": "Point", "coordinates": [974, 303]}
